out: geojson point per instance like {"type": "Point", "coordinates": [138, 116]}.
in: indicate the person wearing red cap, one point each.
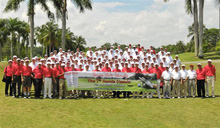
{"type": "Point", "coordinates": [175, 79]}
{"type": "Point", "coordinates": [37, 74]}
{"type": "Point", "coordinates": [146, 70]}
{"type": "Point", "coordinates": [152, 48]}
{"type": "Point", "coordinates": [137, 69]}
{"type": "Point", "coordinates": [17, 78]}
{"type": "Point", "coordinates": [210, 77]}
{"type": "Point", "coordinates": [26, 78]}
{"type": "Point", "coordinates": [9, 78]}
{"type": "Point", "coordinates": [191, 76]}
{"type": "Point", "coordinates": [157, 71]}
{"type": "Point", "coordinates": [62, 87]}
{"type": "Point", "coordinates": [201, 75]}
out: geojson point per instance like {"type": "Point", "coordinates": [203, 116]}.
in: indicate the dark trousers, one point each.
{"type": "Point", "coordinates": [125, 93]}
{"type": "Point", "coordinates": [16, 81]}
{"type": "Point", "coordinates": [201, 88]}
{"type": "Point", "coordinates": [7, 85]}
{"type": "Point", "coordinates": [55, 87]}
{"type": "Point", "coordinates": [38, 85]}
{"type": "Point", "coordinates": [116, 93]}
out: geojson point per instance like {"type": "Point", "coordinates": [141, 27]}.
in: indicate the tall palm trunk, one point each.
{"type": "Point", "coordinates": [201, 5]}
{"type": "Point", "coordinates": [19, 46]}
{"type": "Point", "coordinates": [42, 50]}
{"type": "Point", "coordinates": [27, 47]}
{"type": "Point", "coordinates": [12, 40]}
{"type": "Point", "coordinates": [196, 34]}
{"type": "Point", "coordinates": [50, 47]}
{"type": "Point", "coordinates": [0, 51]}
{"type": "Point", "coordinates": [64, 26]}
{"type": "Point", "coordinates": [32, 34]}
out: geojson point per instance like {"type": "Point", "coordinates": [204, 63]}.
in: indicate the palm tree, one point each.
{"type": "Point", "coordinates": [201, 7]}
{"type": "Point", "coordinates": [80, 43]}
{"type": "Point", "coordinates": [15, 5]}
{"type": "Point", "coordinates": [61, 12]}
{"type": "Point", "coordinates": [3, 35]}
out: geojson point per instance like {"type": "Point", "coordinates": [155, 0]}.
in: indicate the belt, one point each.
{"type": "Point", "coordinates": [177, 80]}
{"type": "Point", "coordinates": [167, 80]}
{"type": "Point", "coordinates": [62, 78]}
{"type": "Point", "coordinates": [183, 79]}
{"type": "Point", "coordinates": [47, 77]}
{"type": "Point", "coordinates": [191, 79]}
{"type": "Point", "coordinates": [17, 75]}
{"type": "Point", "coordinates": [27, 76]}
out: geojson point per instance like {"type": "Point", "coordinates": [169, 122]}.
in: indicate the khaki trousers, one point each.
{"type": "Point", "coordinates": [183, 88]}
{"type": "Point", "coordinates": [191, 86]}
{"type": "Point", "coordinates": [62, 88]}
{"type": "Point", "coordinates": [176, 88]}
{"type": "Point", "coordinates": [166, 88]}
{"type": "Point", "coordinates": [210, 82]}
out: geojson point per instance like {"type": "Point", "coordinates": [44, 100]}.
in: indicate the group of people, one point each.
{"type": "Point", "coordinates": [47, 74]}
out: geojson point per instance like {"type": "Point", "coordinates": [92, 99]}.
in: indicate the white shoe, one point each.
{"type": "Point", "coordinates": [25, 97]}
{"type": "Point", "coordinates": [142, 97]}
{"type": "Point", "coordinates": [159, 97]}
{"type": "Point", "coordinates": [213, 96]}
{"type": "Point", "coordinates": [178, 97]}
{"type": "Point", "coordinates": [185, 97]}
{"type": "Point", "coordinates": [19, 96]}
{"type": "Point", "coordinates": [98, 97]}
{"type": "Point", "coordinates": [173, 97]}
{"type": "Point", "coordinates": [60, 97]}
{"type": "Point", "coordinates": [66, 98]}
{"type": "Point", "coordinates": [29, 97]}
{"type": "Point", "coordinates": [147, 96]}
{"type": "Point", "coordinates": [74, 96]}
{"type": "Point", "coordinates": [193, 96]}
{"type": "Point", "coordinates": [94, 97]}
{"type": "Point", "coordinates": [207, 96]}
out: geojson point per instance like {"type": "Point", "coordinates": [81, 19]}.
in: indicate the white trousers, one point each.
{"type": "Point", "coordinates": [158, 87]}
{"type": "Point", "coordinates": [210, 82]}
{"type": "Point", "coordinates": [47, 87]}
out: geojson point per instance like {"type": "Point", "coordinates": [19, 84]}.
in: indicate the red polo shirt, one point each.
{"type": "Point", "coordinates": [43, 66]}
{"type": "Point", "coordinates": [26, 71]}
{"type": "Point", "coordinates": [56, 71]}
{"type": "Point", "coordinates": [151, 69]}
{"type": "Point", "coordinates": [8, 71]}
{"type": "Point", "coordinates": [14, 63]}
{"type": "Point", "coordinates": [68, 69]}
{"type": "Point", "coordinates": [210, 70]}
{"type": "Point", "coordinates": [47, 72]}
{"type": "Point", "coordinates": [137, 70]}
{"type": "Point", "coordinates": [17, 69]}
{"type": "Point", "coordinates": [158, 72]}
{"type": "Point", "coordinates": [38, 73]}
{"type": "Point", "coordinates": [61, 71]}
{"type": "Point", "coordinates": [80, 69]}
{"type": "Point", "coordinates": [145, 71]}
{"type": "Point", "coordinates": [106, 69]}
{"type": "Point", "coordinates": [200, 74]}
{"type": "Point", "coordinates": [116, 70]}
{"type": "Point", "coordinates": [162, 69]}
{"type": "Point", "coordinates": [75, 69]}
{"type": "Point", "coordinates": [126, 69]}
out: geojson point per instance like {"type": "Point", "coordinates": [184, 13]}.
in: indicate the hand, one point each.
{"type": "Point", "coordinates": [12, 79]}
{"type": "Point", "coordinates": [170, 83]}
{"type": "Point", "coordinates": [55, 81]}
{"type": "Point", "coordinates": [215, 78]}
{"type": "Point", "coordinates": [22, 80]}
{"type": "Point", "coordinates": [196, 83]}
{"type": "Point", "coordinates": [181, 82]}
{"type": "Point", "coordinates": [43, 81]}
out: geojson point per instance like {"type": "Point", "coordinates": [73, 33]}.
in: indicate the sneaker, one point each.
{"type": "Point", "coordinates": [173, 97]}
{"type": "Point", "coordinates": [50, 97]}
{"type": "Point", "coordinates": [178, 97]}
{"type": "Point", "coordinates": [6, 95]}
{"type": "Point", "coordinates": [207, 96]}
{"type": "Point", "coordinates": [213, 96]}
{"type": "Point", "coordinates": [159, 97]}
{"type": "Point", "coordinates": [142, 97]}
{"type": "Point", "coordinates": [25, 97]}
{"type": "Point", "coordinates": [98, 97]}
{"type": "Point", "coordinates": [147, 96]}
{"type": "Point", "coordinates": [13, 96]}
{"type": "Point", "coordinates": [185, 97]}
{"type": "Point", "coordinates": [74, 96]}
{"type": "Point", "coordinates": [109, 97]}
{"type": "Point", "coordinates": [94, 97]}
{"type": "Point", "coordinates": [44, 97]}
{"type": "Point", "coordinates": [19, 96]}
{"type": "Point", "coordinates": [193, 96]}
{"type": "Point", "coordinates": [29, 97]}
{"type": "Point", "coordinates": [60, 97]}
{"type": "Point", "coordinates": [66, 98]}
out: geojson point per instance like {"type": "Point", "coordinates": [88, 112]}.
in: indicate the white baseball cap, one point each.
{"type": "Point", "coordinates": [209, 60]}
{"type": "Point", "coordinates": [39, 63]}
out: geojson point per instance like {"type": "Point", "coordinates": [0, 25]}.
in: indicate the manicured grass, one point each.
{"type": "Point", "coordinates": [187, 57]}
{"type": "Point", "coordinates": [120, 113]}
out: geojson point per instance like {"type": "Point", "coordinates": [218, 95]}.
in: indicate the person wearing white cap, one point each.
{"type": "Point", "coordinates": [158, 72]}
{"type": "Point", "coordinates": [14, 62]}
{"type": "Point", "coordinates": [211, 77]}
{"type": "Point", "coordinates": [166, 78]}
{"type": "Point", "coordinates": [62, 87]}
{"type": "Point", "coordinates": [26, 78]}
{"type": "Point", "coordinates": [17, 77]}
{"type": "Point", "coordinates": [178, 60]}
{"type": "Point", "coordinates": [191, 76]}
{"type": "Point", "coordinates": [37, 74]}
{"type": "Point", "coordinates": [184, 82]}
{"type": "Point", "coordinates": [8, 77]}
{"type": "Point", "coordinates": [169, 58]}
{"type": "Point", "coordinates": [175, 80]}
{"type": "Point", "coordinates": [47, 80]}
{"type": "Point", "coordinates": [55, 90]}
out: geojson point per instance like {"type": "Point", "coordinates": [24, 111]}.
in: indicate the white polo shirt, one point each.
{"type": "Point", "coordinates": [176, 75]}
{"type": "Point", "coordinates": [183, 73]}
{"type": "Point", "coordinates": [192, 74]}
{"type": "Point", "coordinates": [166, 75]}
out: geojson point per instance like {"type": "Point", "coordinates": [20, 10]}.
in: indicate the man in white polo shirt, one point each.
{"type": "Point", "coordinates": [166, 78]}
{"type": "Point", "coordinates": [192, 81]}
{"type": "Point", "coordinates": [175, 79]}
{"type": "Point", "coordinates": [184, 82]}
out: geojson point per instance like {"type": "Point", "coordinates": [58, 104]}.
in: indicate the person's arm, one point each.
{"type": "Point", "coordinates": [12, 78]}
{"type": "Point", "coordinates": [171, 81]}
{"type": "Point", "coordinates": [22, 79]}
{"type": "Point", "coordinates": [5, 71]}
{"type": "Point", "coordinates": [43, 78]}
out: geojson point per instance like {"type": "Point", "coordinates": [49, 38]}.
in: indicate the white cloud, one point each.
{"type": "Point", "coordinates": [161, 24]}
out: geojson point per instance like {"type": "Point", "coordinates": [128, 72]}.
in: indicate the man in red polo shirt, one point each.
{"type": "Point", "coordinates": [55, 90]}
{"type": "Point", "coordinates": [47, 80]}
{"type": "Point", "coordinates": [137, 69]}
{"type": "Point", "coordinates": [161, 67]}
{"type": "Point", "coordinates": [26, 79]}
{"type": "Point", "coordinates": [17, 77]}
{"type": "Point", "coordinates": [126, 69]}
{"type": "Point", "coordinates": [146, 70]}
{"type": "Point", "coordinates": [106, 68]}
{"type": "Point", "coordinates": [157, 71]}
{"type": "Point", "coordinates": [201, 73]}
{"type": "Point", "coordinates": [37, 75]}
{"type": "Point", "coordinates": [151, 69]}
{"type": "Point", "coordinates": [96, 68]}
{"type": "Point", "coordinates": [116, 70]}
{"type": "Point", "coordinates": [68, 68]}
{"type": "Point", "coordinates": [210, 77]}
{"type": "Point", "coordinates": [9, 78]}
{"type": "Point", "coordinates": [14, 60]}
{"type": "Point", "coordinates": [80, 67]}
{"type": "Point", "coordinates": [62, 87]}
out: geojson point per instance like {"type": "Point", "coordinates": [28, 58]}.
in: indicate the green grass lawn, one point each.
{"type": "Point", "coordinates": [120, 113]}
{"type": "Point", "coordinates": [187, 57]}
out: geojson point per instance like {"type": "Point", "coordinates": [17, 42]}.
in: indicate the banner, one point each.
{"type": "Point", "coordinates": [110, 81]}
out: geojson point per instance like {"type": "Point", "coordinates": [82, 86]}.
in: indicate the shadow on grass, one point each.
{"type": "Point", "coordinates": [213, 56]}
